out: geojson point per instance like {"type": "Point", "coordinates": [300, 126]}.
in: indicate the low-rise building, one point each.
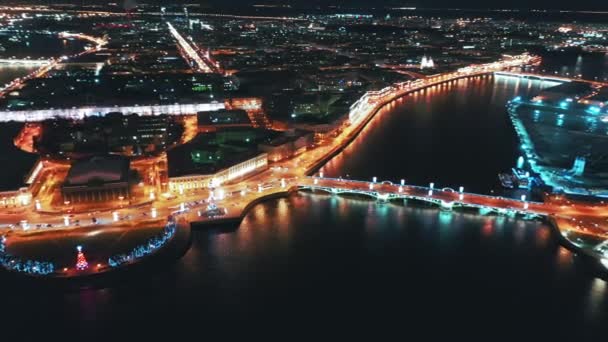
{"type": "Point", "coordinates": [287, 145]}
{"type": "Point", "coordinates": [97, 179]}
{"type": "Point", "coordinates": [225, 118]}
{"type": "Point", "coordinates": [247, 167]}
{"type": "Point", "coordinates": [212, 159]}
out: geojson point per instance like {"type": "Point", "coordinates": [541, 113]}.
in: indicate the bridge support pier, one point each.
{"type": "Point", "coordinates": [382, 198]}
{"type": "Point", "coordinates": [446, 205]}
{"type": "Point", "coordinates": [484, 211]}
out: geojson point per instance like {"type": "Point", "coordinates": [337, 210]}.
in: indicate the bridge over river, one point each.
{"type": "Point", "coordinates": [446, 198]}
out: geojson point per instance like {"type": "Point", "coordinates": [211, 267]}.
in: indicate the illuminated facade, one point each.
{"type": "Point", "coordinates": [202, 181]}
{"type": "Point", "coordinates": [16, 198]}
{"type": "Point", "coordinates": [82, 112]}
{"type": "Point", "coordinates": [287, 145]}
{"type": "Point", "coordinates": [97, 179]}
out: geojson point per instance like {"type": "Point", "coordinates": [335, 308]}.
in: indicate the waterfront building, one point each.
{"type": "Point", "coordinates": [287, 145]}
{"type": "Point", "coordinates": [97, 179]}
{"type": "Point", "coordinates": [245, 168]}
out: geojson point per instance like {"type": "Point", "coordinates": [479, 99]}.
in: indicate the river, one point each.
{"type": "Point", "coordinates": [10, 72]}
{"type": "Point", "coordinates": [337, 266]}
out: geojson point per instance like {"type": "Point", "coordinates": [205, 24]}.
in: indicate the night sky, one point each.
{"type": "Point", "coordinates": [476, 4]}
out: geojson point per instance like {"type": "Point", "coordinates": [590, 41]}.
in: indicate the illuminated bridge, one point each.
{"type": "Point", "coordinates": [26, 62]}
{"type": "Point", "coordinates": [79, 113]}
{"type": "Point", "coordinates": [446, 198]}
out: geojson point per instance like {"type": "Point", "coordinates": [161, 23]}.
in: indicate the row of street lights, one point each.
{"type": "Point", "coordinates": [431, 189]}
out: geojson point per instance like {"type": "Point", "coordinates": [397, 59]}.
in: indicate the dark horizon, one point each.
{"type": "Point", "coordinates": [581, 5]}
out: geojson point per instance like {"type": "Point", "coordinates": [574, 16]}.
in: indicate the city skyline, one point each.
{"type": "Point", "coordinates": [583, 5]}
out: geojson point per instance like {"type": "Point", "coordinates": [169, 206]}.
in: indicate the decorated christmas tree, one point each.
{"type": "Point", "coordinates": [81, 261]}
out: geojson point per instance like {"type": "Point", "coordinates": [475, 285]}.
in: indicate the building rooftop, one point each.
{"type": "Point", "coordinates": [16, 163]}
{"type": "Point", "coordinates": [224, 117]}
{"type": "Point", "coordinates": [211, 152]}
{"type": "Point", "coordinates": [98, 169]}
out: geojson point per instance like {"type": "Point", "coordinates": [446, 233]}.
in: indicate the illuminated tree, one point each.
{"type": "Point", "coordinates": [81, 261]}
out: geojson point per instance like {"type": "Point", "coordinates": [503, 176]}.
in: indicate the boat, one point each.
{"type": "Point", "coordinates": [507, 180]}
{"type": "Point", "coordinates": [522, 177]}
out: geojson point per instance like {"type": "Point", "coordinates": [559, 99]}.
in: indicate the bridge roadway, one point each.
{"type": "Point", "coordinates": [551, 78]}
{"type": "Point", "coordinates": [447, 198]}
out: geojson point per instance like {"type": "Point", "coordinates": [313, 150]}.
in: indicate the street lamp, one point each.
{"type": "Point", "coordinates": [153, 213]}
{"type": "Point", "coordinates": [38, 205]}
{"type": "Point", "coordinates": [115, 216]}
{"type": "Point", "coordinates": [66, 220]}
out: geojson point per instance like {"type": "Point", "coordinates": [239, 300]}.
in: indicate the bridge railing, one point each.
{"type": "Point", "coordinates": [423, 188]}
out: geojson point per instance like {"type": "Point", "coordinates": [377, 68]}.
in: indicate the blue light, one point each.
{"type": "Point", "coordinates": [563, 104]}
{"type": "Point", "coordinates": [517, 99]}
{"type": "Point", "coordinates": [594, 109]}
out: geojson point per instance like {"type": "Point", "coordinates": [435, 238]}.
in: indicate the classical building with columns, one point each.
{"type": "Point", "coordinates": [97, 179]}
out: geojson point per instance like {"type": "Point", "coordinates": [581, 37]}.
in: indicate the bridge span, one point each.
{"type": "Point", "coordinates": [541, 77]}
{"type": "Point", "coordinates": [446, 198]}
{"type": "Point", "coordinates": [25, 62]}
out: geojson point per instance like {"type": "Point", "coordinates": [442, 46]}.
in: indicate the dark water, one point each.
{"type": "Point", "coordinates": [320, 266]}
{"type": "Point", "coordinates": [9, 73]}
{"type": "Point", "coordinates": [454, 135]}
{"type": "Point", "coordinates": [587, 65]}
{"type": "Point", "coordinates": [38, 46]}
